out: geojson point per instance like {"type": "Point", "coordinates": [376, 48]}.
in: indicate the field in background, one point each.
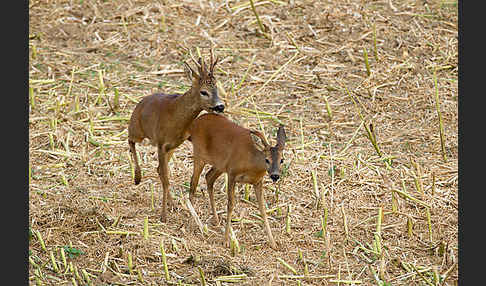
{"type": "Point", "coordinates": [366, 90]}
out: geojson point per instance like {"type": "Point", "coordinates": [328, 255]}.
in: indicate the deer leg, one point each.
{"type": "Point", "coordinates": [211, 177]}
{"type": "Point", "coordinates": [164, 179]}
{"type": "Point", "coordinates": [229, 211]}
{"type": "Point", "coordinates": [133, 152]}
{"type": "Point", "coordinates": [198, 167]}
{"type": "Point", "coordinates": [261, 206]}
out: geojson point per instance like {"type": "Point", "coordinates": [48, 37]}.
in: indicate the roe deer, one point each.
{"type": "Point", "coordinates": [242, 153]}
{"type": "Point", "coordinates": [165, 118]}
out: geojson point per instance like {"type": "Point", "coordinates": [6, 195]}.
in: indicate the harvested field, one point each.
{"type": "Point", "coordinates": [368, 94]}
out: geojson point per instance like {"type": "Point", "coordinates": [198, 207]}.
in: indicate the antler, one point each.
{"type": "Point", "coordinates": [213, 62]}
{"type": "Point", "coordinates": [201, 66]}
{"type": "Point", "coordinates": [189, 67]}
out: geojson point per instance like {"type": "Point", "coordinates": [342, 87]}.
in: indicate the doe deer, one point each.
{"type": "Point", "coordinates": [241, 153]}
{"type": "Point", "coordinates": [165, 118]}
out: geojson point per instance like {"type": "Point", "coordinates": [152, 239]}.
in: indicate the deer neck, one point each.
{"type": "Point", "coordinates": [188, 108]}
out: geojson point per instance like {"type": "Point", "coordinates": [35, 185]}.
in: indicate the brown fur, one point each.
{"type": "Point", "coordinates": [231, 149]}
{"type": "Point", "coordinates": [164, 119]}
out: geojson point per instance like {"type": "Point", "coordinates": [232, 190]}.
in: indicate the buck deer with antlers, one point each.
{"type": "Point", "coordinates": [165, 118]}
{"type": "Point", "coordinates": [241, 153]}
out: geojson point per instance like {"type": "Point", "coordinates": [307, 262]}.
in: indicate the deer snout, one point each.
{"type": "Point", "coordinates": [219, 108]}
{"type": "Point", "coordinates": [274, 177]}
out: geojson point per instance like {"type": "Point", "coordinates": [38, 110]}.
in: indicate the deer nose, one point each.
{"type": "Point", "coordinates": [219, 108]}
{"type": "Point", "coordinates": [274, 177]}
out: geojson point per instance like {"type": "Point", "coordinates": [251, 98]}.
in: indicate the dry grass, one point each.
{"type": "Point", "coordinates": [350, 156]}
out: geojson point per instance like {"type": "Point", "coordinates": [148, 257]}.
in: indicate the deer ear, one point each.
{"type": "Point", "coordinates": [281, 137]}
{"type": "Point", "coordinates": [258, 140]}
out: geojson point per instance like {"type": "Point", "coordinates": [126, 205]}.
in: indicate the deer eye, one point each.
{"type": "Point", "coordinates": [267, 161]}
{"type": "Point", "coordinates": [204, 93]}
{"type": "Point", "coordinates": [281, 161]}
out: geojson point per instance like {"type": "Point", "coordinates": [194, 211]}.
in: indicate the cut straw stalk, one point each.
{"type": "Point", "coordinates": [116, 99]}
{"type": "Point", "coordinates": [367, 64]}
{"type": "Point", "coordinates": [328, 108]}
{"type": "Point", "coordinates": [247, 192]}
{"type": "Point", "coordinates": [201, 274]}
{"type": "Point", "coordinates": [32, 97]}
{"type": "Point", "coordinates": [130, 262]}
{"type": "Point", "coordinates": [439, 114]}
{"type": "Point", "coordinates": [174, 246]}
{"type": "Point", "coordinates": [53, 262]}
{"type": "Point", "coordinates": [132, 167]}
{"type": "Point", "coordinates": [41, 241]}
{"type": "Point", "coordinates": [34, 52]}
{"type": "Point", "coordinates": [195, 216]}
{"type": "Point", "coordinates": [345, 222]}
{"type": "Point", "coordinates": [63, 257]}
{"type": "Point", "coordinates": [409, 227]}
{"type": "Point", "coordinates": [377, 242]}
{"type": "Point", "coordinates": [260, 24]}
{"type": "Point", "coordinates": [76, 273]}
{"type": "Point", "coordinates": [417, 178]}
{"type": "Point", "coordinates": [139, 276]}
{"type": "Point", "coordinates": [287, 265]}
{"type": "Point", "coordinates": [31, 261]}
{"type": "Point", "coordinates": [292, 41]}
{"type": "Point", "coordinates": [305, 277]}
{"type": "Point", "coordinates": [105, 262]}
{"type": "Point", "coordinates": [231, 278]}
{"type": "Point", "coordinates": [162, 24]}
{"type": "Point", "coordinates": [41, 81]}
{"type": "Point", "coordinates": [348, 144]}
{"type": "Point", "coordinates": [287, 219]}
{"type": "Point", "coordinates": [421, 275]}
{"type": "Point", "coordinates": [164, 261]}
{"type": "Point", "coordinates": [234, 243]}
{"type": "Point", "coordinates": [370, 133]}
{"type": "Point", "coordinates": [406, 195]}
{"type": "Point", "coordinates": [86, 276]}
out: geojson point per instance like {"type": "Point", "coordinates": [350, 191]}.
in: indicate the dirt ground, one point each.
{"type": "Point", "coordinates": [91, 61]}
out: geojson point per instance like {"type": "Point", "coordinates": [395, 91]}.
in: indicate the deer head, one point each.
{"type": "Point", "coordinates": [204, 84]}
{"type": "Point", "coordinates": [273, 155]}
